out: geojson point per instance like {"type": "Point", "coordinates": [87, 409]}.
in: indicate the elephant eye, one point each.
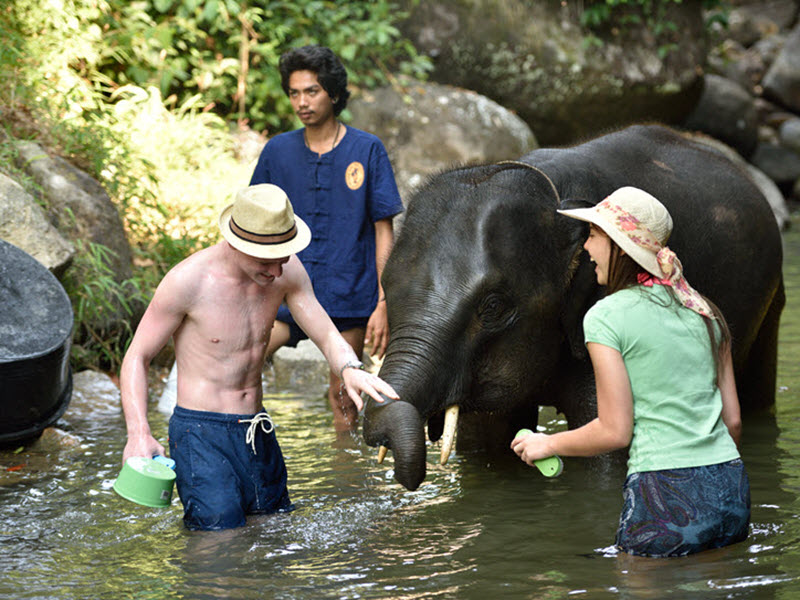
{"type": "Point", "coordinates": [496, 312]}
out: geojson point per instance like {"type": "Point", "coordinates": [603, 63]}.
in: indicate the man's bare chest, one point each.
{"type": "Point", "coordinates": [233, 320]}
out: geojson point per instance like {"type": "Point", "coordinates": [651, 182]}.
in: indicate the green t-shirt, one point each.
{"type": "Point", "coordinates": [677, 406]}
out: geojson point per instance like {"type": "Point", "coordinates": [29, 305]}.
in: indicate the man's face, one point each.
{"type": "Point", "coordinates": [264, 270]}
{"type": "Point", "coordinates": [310, 101]}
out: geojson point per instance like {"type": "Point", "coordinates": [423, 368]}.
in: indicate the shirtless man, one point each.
{"type": "Point", "coordinates": [219, 305]}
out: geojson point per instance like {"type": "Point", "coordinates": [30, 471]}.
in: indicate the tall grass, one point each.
{"type": "Point", "coordinates": [169, 169]}
{"type": "Point", "coordinates": [191, 175]}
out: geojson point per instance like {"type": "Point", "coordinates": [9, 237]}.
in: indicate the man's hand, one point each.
{"type": "Point", "coordinates": [357, 381]}
{"type": "Point", "coordinates": [143, 445]}
{"type": "Point", "coordinates": [377, 334]}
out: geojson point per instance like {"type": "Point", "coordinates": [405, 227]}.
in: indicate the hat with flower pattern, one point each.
{"type": "Point", "coordinates": [640, 225]}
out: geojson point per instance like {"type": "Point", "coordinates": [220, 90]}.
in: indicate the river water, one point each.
{"type": "Point", "coordinates": [478, 528]}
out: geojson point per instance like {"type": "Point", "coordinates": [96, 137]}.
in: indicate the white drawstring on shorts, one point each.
{"type": "Point", "coordinates": [257, 420]}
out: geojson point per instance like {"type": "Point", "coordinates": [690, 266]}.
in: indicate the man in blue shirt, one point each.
{"type": "Point", "coordinates": [340, 181]}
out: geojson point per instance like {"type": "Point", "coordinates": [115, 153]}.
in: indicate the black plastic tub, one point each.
{"type": "Point", "coordinates": [35, 338]}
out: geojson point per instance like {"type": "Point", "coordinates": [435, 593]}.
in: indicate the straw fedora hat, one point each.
{"type": "Point", "coordinates": [262, 223]}
{"type": "Point", "coordinates": [638, 223]}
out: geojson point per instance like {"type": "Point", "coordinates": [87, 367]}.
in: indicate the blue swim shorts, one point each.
{"type": "Point", "coordinates": [223, 475]}
{"type": "Point", "coordinates": [297, 335]}
{"type": "Point", "coordinates": [683, 511]}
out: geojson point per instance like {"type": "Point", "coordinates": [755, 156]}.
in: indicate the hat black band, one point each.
{"type": "Point", "coordinates": [263, 238]}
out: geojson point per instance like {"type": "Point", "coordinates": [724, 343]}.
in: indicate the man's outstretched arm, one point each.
{"type": "Point", "coordinates": [312, 318]}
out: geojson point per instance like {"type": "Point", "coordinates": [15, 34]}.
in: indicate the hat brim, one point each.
{"type": "Point", "coordinates": [280, 250]}
{"type": "Point", "coordinates": [643, 257]}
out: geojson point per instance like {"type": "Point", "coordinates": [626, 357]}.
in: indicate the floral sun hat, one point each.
{"type": "Point", "coordinates": [640, 225]}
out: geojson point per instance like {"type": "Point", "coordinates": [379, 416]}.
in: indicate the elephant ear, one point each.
{"type": "Point", "coordinates": [569, 204]}
{"type": "Point", "coordinates": [582, 290]}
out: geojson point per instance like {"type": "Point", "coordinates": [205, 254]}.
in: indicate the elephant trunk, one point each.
{"type": "Point", "coordinates": [413, 366]}
{"type": "Point", "coordinates": [398, 425]}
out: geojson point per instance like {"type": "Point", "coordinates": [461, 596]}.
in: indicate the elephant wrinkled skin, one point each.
{"type": "Point", "coordinates": [487, 285]}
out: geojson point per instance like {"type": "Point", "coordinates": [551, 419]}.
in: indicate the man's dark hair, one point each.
{"type": "Point", "coordinates": [322, 61]}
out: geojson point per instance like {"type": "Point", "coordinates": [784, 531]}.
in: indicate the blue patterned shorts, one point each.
{"type": "Point", "coordinates": [682, 511]}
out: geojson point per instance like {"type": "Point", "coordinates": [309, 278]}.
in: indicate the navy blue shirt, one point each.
{"type": "Point", "coordinates": [340, 195]}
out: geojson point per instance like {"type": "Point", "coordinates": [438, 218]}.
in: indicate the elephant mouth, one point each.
{"type": "Point", "coordinates": [448, 436]}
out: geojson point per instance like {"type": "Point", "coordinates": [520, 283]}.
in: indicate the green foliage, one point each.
{"type": "Point", "coordinates": [141, 95]}
{"type": "Point", "coordinates": [49, 95]}
{"type": "Point", "coordinates": [12, 53]}
{"type": "Point", "coordinates": [599, 15]}
{"type": "Point", "coordinates": [187, 173]}
{"type": "Point", "coordinates": [716, 13]}
{"type": "Point", "coordinates": [9, 156]}
{"type": "Point", "coordinates": [226, 52]}
{"type": "Point", "coordinates": [103, 307]}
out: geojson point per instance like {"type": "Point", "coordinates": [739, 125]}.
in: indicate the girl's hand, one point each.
{"type": "Point", "coordinates": [531, 447]}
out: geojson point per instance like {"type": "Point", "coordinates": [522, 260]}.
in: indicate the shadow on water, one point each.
{"type": "Point", "coordinates": [480, 527]}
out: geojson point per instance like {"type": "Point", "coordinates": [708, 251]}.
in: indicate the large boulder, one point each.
{"type": "Point", "coordinates": [779, 162]}
{"type": "Point", "coordinates": [752, 20]}
{"type": "Point", "coordinates": [789, 132]}
{"type": "Point", "coordinates": [427, 127]}
{"type": "Point", "coordinates": [24, 223]}
{"type": "Point", "coordinates": [82, 211]}
{"type": "Point", "coordinates": [782, 81]}
{"type": "Point", "coordinates": [743, 66]}
{"type": "Point", "coordinates": [727, 112]}
{"type": "Point", "coordinates": [78, 205]}
{"type": "Point", "coordinates": [566, 83]}
{"type": "Point", "coordinates": [767, 13]}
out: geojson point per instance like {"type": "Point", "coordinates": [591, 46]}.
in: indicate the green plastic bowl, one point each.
{"type": "Point", "coordinates": [145, 481]}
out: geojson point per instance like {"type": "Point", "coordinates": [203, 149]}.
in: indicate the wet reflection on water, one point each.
{"type": "Point", "coordinates": [477, 528]}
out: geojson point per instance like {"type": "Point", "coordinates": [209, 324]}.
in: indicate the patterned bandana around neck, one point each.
{"type": "Point", "coordinates": [671, 267]}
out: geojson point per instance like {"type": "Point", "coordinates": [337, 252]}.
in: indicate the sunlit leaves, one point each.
{"type": "Point", "coordinates": [196, 46]}
{"type": "Point", "coordinates": [162, 5]}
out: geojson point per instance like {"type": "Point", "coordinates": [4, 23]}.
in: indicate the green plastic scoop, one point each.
{"type": "Point", "coordinates": [550, 466]}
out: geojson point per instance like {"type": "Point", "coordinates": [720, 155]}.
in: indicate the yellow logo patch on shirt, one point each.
{"type": "Point", "coordinates": [354, 175]}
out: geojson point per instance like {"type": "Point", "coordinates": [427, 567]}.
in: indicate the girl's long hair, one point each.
{"type": "Point", "coordinates": [623, 272]}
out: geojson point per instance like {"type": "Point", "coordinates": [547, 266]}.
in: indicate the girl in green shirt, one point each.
{"type": "Point", "coordinates": [665, 387]}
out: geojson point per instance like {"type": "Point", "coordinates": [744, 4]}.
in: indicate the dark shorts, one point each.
{"type": "Point", "coordinates": [683, 511]}
{"type": "Point", "coordinates": [219, 477]}
{"type": "Point", "coordinates": [297, 335]}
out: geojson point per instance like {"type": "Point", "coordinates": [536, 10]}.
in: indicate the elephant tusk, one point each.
{"type": "Point", "coordinates": [382, 454]}
{"type": "Point", "coordinates": [449, 433]}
